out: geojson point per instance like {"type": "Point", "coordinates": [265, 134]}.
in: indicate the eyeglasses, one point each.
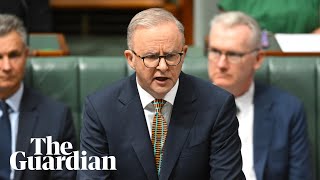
{"type": "Point", "coordinates": [153, 60]}
{"type": "Point", "coordinates": [232, 57]}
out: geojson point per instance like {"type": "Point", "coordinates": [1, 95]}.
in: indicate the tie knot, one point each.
{"type": "Point", "coordinates": [158, 104]}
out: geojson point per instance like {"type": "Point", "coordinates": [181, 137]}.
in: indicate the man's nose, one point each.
{"type": "Point", "coordinates": [163, 66]}
{"type": "Point", "coordinates": [222, 61]}
{"type": "Point", "coordinates": [5, 63]}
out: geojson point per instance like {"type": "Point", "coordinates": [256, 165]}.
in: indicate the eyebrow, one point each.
{"type": "Point", "coordinates": [12, 52]}
{"type": "Point", "coordinates": [228, 51]}
{"type": "Point", "coordinates": [158, 53]}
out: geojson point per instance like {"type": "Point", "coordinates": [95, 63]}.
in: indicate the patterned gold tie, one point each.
{"type": "Point", "coordinates": [159, 132]}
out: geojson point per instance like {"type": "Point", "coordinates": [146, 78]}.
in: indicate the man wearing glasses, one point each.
{"type": "Point", "coordinates": [272, 123]}
{"type": "Point", "coordinates": [160, 123]}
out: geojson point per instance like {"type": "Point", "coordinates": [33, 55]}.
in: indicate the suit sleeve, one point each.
{"type": "Point", "coordinates": [299, 152]}
{"type": "Point", "coordinates": [225, 153]}
{"type": "Point", "coordinates": [93, 140]}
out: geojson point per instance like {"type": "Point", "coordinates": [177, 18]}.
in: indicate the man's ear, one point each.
{"type": "Point", "coordinates": [184, 50]}
{"type": "Point", "coordinates": [130, 58]}
{"type": "Point", "coordinates": [259, 60]}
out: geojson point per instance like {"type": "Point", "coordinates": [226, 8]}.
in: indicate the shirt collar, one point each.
{"type": "Point", "coordinates": [246, 99]}
{"type": "Point", "coordinates": [14, 100]}
{"type": "Point", "coordinates": [147, 98]}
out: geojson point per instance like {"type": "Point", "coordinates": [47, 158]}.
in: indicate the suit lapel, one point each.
{"type": "Point", "coordinates": [181, 122]}
{"type": "Point", "coordinates": [28, 118]}
{"type": "Point", "coordinates": [137, 127]}
{"type": "Point", "coordinates": [263, 128]}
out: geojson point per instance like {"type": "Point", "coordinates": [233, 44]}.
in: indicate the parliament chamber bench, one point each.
{"type": "Point", "coordinates": [70, 79]}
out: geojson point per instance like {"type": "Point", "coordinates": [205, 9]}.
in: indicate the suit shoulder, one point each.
{"type": "Point", "coordinates": [108, 91]}
{"type": "Point", "coordinates": [207, 91]}
{"type": "Point", "coordinates": [281, 97]}
{"type": "Point", "coordinates": [45, 101]}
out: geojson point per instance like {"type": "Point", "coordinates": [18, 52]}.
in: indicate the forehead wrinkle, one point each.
{"type": "Point", "coordinates": [164, 42]}
{"type": "Point", "coordinates": [160, 48]}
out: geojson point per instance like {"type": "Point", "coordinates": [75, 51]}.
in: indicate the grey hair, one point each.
{"type": "Point", "coordinates": [10, 23]}
{"type": "Point", "coordinates": [235, 18]}
{"type": "Point", "coordinates": [151, 18]}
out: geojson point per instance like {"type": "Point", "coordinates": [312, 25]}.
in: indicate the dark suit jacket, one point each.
{"type": "Point", "coordinates": [202, 140]}
{"type": "Point", "coordinates": [40, 117]}
{"type": "Point", "coordinates": [36, 14]}
{"type": "Point", "coordinates": [281, 147]}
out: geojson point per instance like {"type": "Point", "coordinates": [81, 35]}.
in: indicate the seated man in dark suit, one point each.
{"type": "Point", "coordinates": [25, 113]}
{"type": "Point", "coordinates": [160, 123]}
{"type": "Point", "coordinates": [272, 123]}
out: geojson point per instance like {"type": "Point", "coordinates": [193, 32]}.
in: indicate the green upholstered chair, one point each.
{"type": "Point", "coordinates": [56, 77]}
{"type": "Point", "coordinates": [98, 72]}
{"type": "Point", "coordinates": [71, 79]}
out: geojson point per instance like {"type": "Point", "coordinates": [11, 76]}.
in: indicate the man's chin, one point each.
{"type": "Point", "coordinates": [222, 83]}
{"type": "Point", "coordinates": [160, 92]}
{"type": "Point", "coordinates": [4, 87]}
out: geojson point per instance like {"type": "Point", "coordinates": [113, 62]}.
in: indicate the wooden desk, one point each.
{"type": "Point", "coordinates": [105, 4]}
{"type": "Point", "coordinates": [280, 53]}
{"type": "Point", "coordinates": [47, 44]}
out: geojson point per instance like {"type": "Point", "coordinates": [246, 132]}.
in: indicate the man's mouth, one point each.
{"type": "Point", "coordinates": [161, 78]}
{"type": "Point", "coordinates": [4, 78]}
{"type": "Point", "coordinates": [222, 75]}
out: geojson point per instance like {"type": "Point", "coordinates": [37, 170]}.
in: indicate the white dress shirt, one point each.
{"type": "Point", "coordinates": [149, 109]}
{"type": "Point", "coordinates": [245, 117]}
{"type": "Point", "coordinates": [14, 111]}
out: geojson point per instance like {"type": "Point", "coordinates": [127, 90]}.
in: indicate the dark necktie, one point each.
{"type": "Point", "coordinates": [159, 132]}
{"type": "Point", "coordinates": [5, 145]}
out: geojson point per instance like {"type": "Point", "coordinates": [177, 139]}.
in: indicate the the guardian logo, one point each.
{"type": "Point", "coordinates": [54, 160]}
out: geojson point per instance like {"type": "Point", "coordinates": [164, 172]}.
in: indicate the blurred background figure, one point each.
{"type": "Point", "coordinates": [279, 16]}
{"type": "Point", "coordinates": [36, 14]}
{"type": "Point", "coordinates": [272, 123]}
